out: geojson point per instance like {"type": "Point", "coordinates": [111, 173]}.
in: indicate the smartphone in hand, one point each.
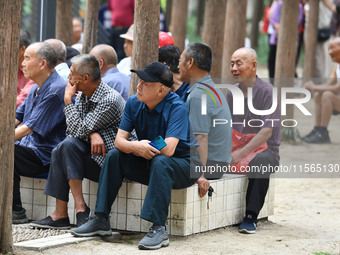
{"type": "Point", "coordinates": [158, 143]}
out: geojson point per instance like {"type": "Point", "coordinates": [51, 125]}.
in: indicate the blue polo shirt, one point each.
{"type": "Point", "coordinates": [182, 90]}
{"type": "Point", "coordinates": [63, 70]}
{"type": "Point", "coordinates": [42, 111]}
{"type": "Point", "coordinates": [168, 119]}
{"type": "Point", "coordinates": [118, 81]}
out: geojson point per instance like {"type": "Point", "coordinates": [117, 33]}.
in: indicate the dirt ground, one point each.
{"type": "Point", "coordinates": [306, 217]}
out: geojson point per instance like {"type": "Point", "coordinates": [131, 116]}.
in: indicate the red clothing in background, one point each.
{"type": "Point", "coordinates": [122, 12]}
{"type": "Point", "coordinates": [265, 20]}
{"type": "Point", "coordinates": [24, 86]}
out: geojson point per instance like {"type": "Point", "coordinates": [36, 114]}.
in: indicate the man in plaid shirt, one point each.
{"type": "Point", "coordinates": [92, 125]}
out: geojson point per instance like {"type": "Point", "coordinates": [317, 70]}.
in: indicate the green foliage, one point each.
{"type": "Point", "coordinates": [321, 253]}
{"type": "Point", "coordinates": [263, 50]}
{"type": "Point", "coordinates": [128, 239]}
{"type": "Point", "coordinates": [128, 242]}
{"type": "Point", "coordinates": [82, 5]}
{"type": "Point", "coordinates": [191, 29]}
{"type": "Point", "coordinates": [25, 15]}
{"type": "Point", "coordinates": [163, 5]}
{"type": "Point", "coordinates": [290, 135]}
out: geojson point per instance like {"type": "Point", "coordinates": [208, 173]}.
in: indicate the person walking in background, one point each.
{"type": "Point", "coordinates": [273, 40]}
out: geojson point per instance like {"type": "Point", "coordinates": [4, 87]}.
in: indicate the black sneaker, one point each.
{"type": "Point", "coordinates": [53, 224]}
{"type": "Point", "coordinates": [156, 238]}
{"type": "Point", "coordinates": [310, 134]}
{"type": "Point", "coordinates": [319, 137]}
{"type": "Point", "coordinates": [93, 226]}
{"type": "Point", "coordinates": [82, 216]}
{"type": "Point", "coordinates": [19, 217]}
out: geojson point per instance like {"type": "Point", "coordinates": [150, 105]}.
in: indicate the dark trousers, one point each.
{"type": "Point", "coordinates": [161, 174]}
{"type": "Point", "coordinates": [117, 42]}
{"type": "Point", "coordinates": [271, 62]}
{"type": "Point", "coordinates": [71, 159]}
{"type": "Point", "coordinates": [28, 164]}
{"type": "Point", "coordinates": [259, 182]}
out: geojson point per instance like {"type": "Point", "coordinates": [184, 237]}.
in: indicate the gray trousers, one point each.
{"type": "Point", "coordinates": [71, 159]}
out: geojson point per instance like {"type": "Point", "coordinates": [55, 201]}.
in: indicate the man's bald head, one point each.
{"type": "Point", "coordinates": [243, 64]}
{"type": "Point", "coordinates": [59, 48]}
{"type": "Point", "coordinates": [105, 52]}
{"type": "Point", "coordinates": [247, 53]}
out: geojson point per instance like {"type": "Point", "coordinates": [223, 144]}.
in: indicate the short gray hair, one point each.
{"type": "Point", "coordinates": [201, 53]}
{"type": "Point", "coordinates": [87, 64]}
{"type": "Point", "coordinates": [45, 51]}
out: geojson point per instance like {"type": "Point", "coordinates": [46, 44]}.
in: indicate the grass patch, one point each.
{"type": "Point", "coordinates": [128, 239]}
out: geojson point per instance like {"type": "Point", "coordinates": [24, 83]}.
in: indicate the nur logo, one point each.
{"type": "Point", "coordinates": [204, 97]}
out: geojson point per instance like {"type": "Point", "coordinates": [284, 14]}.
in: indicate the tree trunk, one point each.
{"type": "Point", "coordinates": [145, 37]}
{"type": "Point", "coordinates": [213, 33]}
{"type": "Point", "coordinates": [234, 32]}
{"type": "Point", "coordinates": [91, 25]}
{"type": "Point", "coordinates": [257, 14]}
{"type": "Point", "coordinates": [63, 28]}
{"type": "Point", "coordinates": [10, 15]}
{"type": "Point", "coordinates": [200, 13]}
{"type": "Point", "coordinates": [286, 49]}
{"type": "Point", "coordinates": [178, 27]}
{"type": "Point", "coordinates": [311, 40]}
{"type": "Point", "coordinates": [168, 13]}
{"type": "Point", "coordinates": [285, 59]}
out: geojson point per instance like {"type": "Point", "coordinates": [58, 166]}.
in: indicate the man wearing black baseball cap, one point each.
{"type": "Point", "coordinates": [154, 111]}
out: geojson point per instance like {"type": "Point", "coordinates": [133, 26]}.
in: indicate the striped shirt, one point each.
{"type": "Point", "coordinates": [101, 113]}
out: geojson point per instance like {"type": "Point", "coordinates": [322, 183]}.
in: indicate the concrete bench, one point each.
{"type": "Point", "coordinates": [188, 213]}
